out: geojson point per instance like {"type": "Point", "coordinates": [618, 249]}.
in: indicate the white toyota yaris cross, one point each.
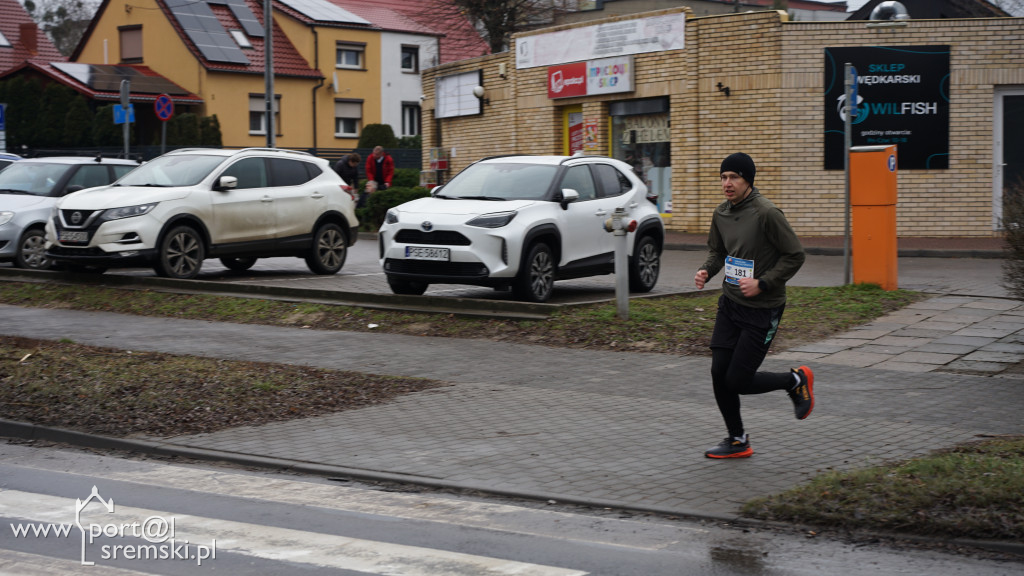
{"type": "Point", "coordinates": [522, 222]}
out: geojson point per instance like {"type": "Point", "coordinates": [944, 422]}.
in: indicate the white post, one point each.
{"type": "Point", "coordinates": [621, 264]}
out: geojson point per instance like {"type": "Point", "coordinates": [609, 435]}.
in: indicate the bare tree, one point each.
{"type": "Point", "coordinates": [495, 20]}
{"type": "Point", "coordinates": [64, 21]}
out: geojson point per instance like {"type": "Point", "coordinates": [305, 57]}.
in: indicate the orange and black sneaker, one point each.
{"type": "Point", "coordinates": [731, 447]}
{"type": "Point", "coordinates": [802, 394]}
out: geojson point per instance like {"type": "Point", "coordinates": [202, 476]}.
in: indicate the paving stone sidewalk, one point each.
{"type": "Point", "coordinates": [624, 429]}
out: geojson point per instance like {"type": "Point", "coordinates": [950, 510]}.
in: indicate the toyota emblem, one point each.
{"type": "Point", "coordinates": [427, 226]}
{"type": "Point", "coordinates": [76, 217]}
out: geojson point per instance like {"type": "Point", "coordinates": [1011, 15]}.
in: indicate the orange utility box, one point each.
{"type": "Point", "coordinates": [873, 202]}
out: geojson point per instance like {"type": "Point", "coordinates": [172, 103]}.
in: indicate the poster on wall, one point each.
{"type": "Point", "coordinates": [902, 99]}
{"type": "Point", "coordinates": [576, 132]}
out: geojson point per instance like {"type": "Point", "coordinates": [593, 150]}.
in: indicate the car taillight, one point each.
{"type": "Point", "coordinates": [350, 191]}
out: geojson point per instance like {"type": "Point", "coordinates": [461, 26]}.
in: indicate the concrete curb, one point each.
{"type": "Point", "coordinates": [436, 304]}
{"type": "Point", "coordinates": [26, 431]}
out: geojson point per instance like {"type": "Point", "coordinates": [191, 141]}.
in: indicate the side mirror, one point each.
{"type": "Point", "coordinates": [568, 197]}
{"type": "Point", "coordinates": [436, 190]}
{"type": "Point", "coordinates": [225, 183]}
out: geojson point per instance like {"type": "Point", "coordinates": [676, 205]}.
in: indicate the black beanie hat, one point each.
{"type": "Point", "coordinates": [741, 164]}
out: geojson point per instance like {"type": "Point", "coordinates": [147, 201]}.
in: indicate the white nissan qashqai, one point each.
{"type": "Point", "coordinates": [176, 210]}
{"type": "Point", "coordinates": [522, 222]}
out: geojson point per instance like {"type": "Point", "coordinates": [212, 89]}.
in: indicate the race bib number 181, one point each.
{"type": "Point", "coordinates": [736, 268]}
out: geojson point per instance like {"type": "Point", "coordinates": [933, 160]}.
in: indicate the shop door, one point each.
{"type": "Point", "coordinates": [1008, 149]}
{"type": "Point", "coordinates": [643, 142]}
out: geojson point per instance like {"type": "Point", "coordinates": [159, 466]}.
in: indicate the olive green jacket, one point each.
{"type": "Point", "coordinates": [755, 229]}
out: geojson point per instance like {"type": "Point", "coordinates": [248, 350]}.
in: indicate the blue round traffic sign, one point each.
{"type": "Point", "coordinates": [164, 107]}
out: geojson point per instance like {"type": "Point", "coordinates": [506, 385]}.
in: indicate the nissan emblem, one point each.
{"type": "Point", "coordinates": [427, 226]}
{"type": "Point", "coordinates": [76, 217]}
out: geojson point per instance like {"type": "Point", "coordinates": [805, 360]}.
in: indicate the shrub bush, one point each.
{"type": "Point", "coordinates": [406, 178]}
{"type": "Point", "coordinates": [377, 135]}
{"type": "Point", "coordinates": [1013, 229]}
{"type": "Point", "coordinates": [378, 204]}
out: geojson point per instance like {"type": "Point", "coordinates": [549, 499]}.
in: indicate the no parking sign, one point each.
{"type": "Point", "coordinates": [164, 107]}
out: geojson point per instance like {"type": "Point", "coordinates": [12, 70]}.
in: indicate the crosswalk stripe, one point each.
{"type": "Point", "coordinates": [14, 563]}
{"type": "Point", "coordinates": [325, 550]}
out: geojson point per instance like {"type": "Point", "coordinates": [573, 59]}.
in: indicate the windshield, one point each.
{"type": "Point", "coordinates": [35, 178]}
{"type": "Point", "coordinates": [176, 170]}
{"type": "Point", "coordinates": [501, 182]}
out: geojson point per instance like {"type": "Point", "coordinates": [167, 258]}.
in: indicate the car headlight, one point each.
{"type": "Point", "coordinates": [495, 220]}
{"type": "Point", "coordinates": [6, 217]}
{"type": "Point", "coordinates": [391, 217]}
{"type": "Point", "coordinates": [127, 211]}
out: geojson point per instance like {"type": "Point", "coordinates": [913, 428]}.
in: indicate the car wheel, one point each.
{"type": "Point", "coordinates": [645, 265]}
{"type": "Point", "coordinates": [181, 254]}
{"type": "Point", "coordinates": [536, 278]}
{"type": "Point", "coordinates": [407, 287]}
{"type": "Point", "coordinates": [32, 251]}
{"type": "Point", "coordinates": [238, 264]}
{"type": "Point", "coordinates": [329, 249]}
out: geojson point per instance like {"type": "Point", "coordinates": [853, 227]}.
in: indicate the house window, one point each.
{"type": "Point", "coordinates": [411, 59]}
{"type": "Point", "coordinates": [348, 118]}
{"type": "Point", "coordinates": [350, 56]}
{"type": "Point", "coordinates": [410, 119]}
{"type": "Point", "coordinates": [258, 114]}
{"type": "Point", "coordinates": [131, 43]}
{"type": "Point", "coordinates": [241, 38]}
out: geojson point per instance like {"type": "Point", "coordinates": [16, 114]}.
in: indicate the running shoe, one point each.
{"type": "Point", "coordinates": [802, 394]}
{"type": "Point", "coordinates": [731, 447]}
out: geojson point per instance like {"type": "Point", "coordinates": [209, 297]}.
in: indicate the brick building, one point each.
{"type": "Point", "coordinates": [699, 88]}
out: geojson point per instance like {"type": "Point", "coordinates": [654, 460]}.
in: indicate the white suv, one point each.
{"type": "Point", "coordinates": [188, 205]}
{"type": "Point", "coordinates": [522, 222]}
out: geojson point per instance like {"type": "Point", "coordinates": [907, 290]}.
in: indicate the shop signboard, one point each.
{"type": "Point", "coordinates": [567, 80]}
{"type": "Point", "coordinates": [902, 99]}
{"type": "Point", "coordinates": [621, 38]}
{"type": "Point", "coordinates": [593, 77]}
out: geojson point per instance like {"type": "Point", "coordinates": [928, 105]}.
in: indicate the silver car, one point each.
{"type": "Point", "coordinates": [29, 188]}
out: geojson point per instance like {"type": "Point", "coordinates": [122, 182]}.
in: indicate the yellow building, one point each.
{"type": "Point", "coordinates": [338, 65]}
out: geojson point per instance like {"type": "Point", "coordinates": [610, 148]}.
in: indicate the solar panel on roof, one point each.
{"type": "Point", "coordinates": [205, 31]}
{"type": "Point", "coordinates": [107, 78]}
{"type": "Point", "coordinates": [323, 11]}
{"type": "Point", "coordinates": [244, 15]}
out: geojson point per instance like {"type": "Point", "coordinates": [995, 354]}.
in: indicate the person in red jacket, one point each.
{"type": "Point", "coordinates": [380, 167]}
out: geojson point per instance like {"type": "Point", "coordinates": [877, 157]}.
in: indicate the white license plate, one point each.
{"type": "Point", "coordinates": [425, 253]}
{"type": "Point", "coordinates": [73, 236]}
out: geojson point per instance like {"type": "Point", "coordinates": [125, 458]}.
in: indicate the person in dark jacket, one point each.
{"type": "Point", "coordinates": [380, 166]}
{"type": "Point", "coordinates": [348, 168]}
{"type": "Point", "coordinates": [753, 242]}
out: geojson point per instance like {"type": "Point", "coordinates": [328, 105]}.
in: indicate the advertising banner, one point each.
{"type": "Point", "coordinates": [902, 99]}
{"type": "Point", "coordinates": [622, 38]}
{"type": "Point", "coordinates": [603, 76]}
{"type": "Point", "coordinates": [567, 80]}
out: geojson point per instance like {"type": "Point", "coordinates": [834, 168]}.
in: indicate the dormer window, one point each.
{"type": "Point", "coordinates": [241, 38]}
{"type": "Point", "coordinates": [4, 42]}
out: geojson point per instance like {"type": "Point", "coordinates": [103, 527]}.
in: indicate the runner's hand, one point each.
{"type": "Point", "coordinates": [700, 279]}
{"type": "Point", "coordinates": [750, 287]}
